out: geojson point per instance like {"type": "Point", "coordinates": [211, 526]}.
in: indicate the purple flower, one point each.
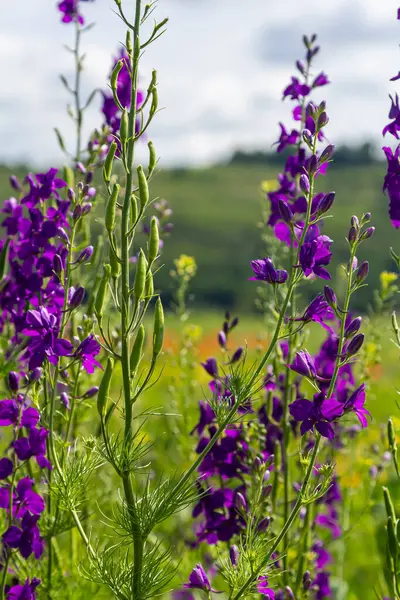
{"type": "Point", "coordinates": [304, 364]}
{"type": "Point", "coordinates": [391, 184]}
{"type": "Point", "coordinates": [6, 468]}
{"type": "Point", "coordinates": [33, 445]}
{"type": "Point", "coordinates": [86, 352]}
{"type": "Point", "coordinates": [26, 538]}
{"type": "Point", "coordinates": [317, 413]}
{"type": "Point", "coordinates": [356, 404]}
{"type": "Point", "coordinates": [24, 592]}
{"type": "Point", "coordinates": [318, 311]}
{"type": "Point", "coordinates": [263, 589]}
{"type": "Point", "coordinates": [264, 271]}
{"type": "Point", "coordinates": [315, 253]}
{"type": "Point", "coordinates": [43, 329]}
{"type": "Point", "coordinates": [296, 89]}
{"type": "Point", "coordinates": [198, 580]}
{"type": "Point", "coordinates": [70, 10]}
{"type": "Point", "coordinates": [210, 365]}
{"type": "Point", "coordinates": [286, 138]}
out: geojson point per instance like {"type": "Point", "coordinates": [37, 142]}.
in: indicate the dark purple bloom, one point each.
{"type": "Point", "coordinates": [33, 445]}
{"type": "Point", "coordinates": [317, 413]}
{"type": "Point", "coordinates": [286, 138]}
{"type": "Point", "coordinates": [315, 253]}
{"type": "Point", "coordinates": [296, 89]}
{"type": "Point", "coordinates": [210, 365]}
{"type": "Point", "coordinates": [6, 468]}
{"type": "Point", "coordinates": [391, 184]}
{"type": "Point", "coordinates": [304, 365]}
{"type": "Point", "coordinates": [86, 352]}
{"type": "Point", "coordinates": [70, 11]}
{"type": "Point", "coordinates": [43, 329]}
{"type": "Point", "coordinates": [198, 580]}
{"type": "Point", "coordinates": [318, 311]}
{"type": "Point", "coordinates": [264, 271]}
{"type": "Point", "coordinates": [24, 592]}
{"type": "Point", "coordinates": [263, 589]}
{"type": "Point", "coordinates": [356, 404]}
{"type": "Point", "coordinates": [234, 554]}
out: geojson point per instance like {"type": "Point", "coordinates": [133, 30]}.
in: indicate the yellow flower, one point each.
{"type": "Point", "coordinates": [387, 279]}
{"type": "Point", "coordinates": [185, 266]}
{"type": "Point", "coordinates": [269, 185]}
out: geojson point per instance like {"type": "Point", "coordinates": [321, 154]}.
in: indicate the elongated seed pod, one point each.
{"type": "Point", "coordinates": [140, 276]}
{"type": "Point", "coordinates": [154, 102]}
{"type": "Point", "coordinates": [111, 209]}
{"type": "Point", "coordinates": [158, 332]}
{"type": "Point", "coordinates": [69, 176]}
{"type": "Point", "coordinates": [134, 210]}
{"type": "Point", "coordinates": [152, 158]}
{"type": "Point", "coordinates": [154, 240]}
{"type": "Point", "coordinates": [137, 350]}
{"type": "Point", "coordinates": [115, 265]}
{"type": "Point", "coordinates": [124, 126]}
{"type": "Point", "coordinates": [104, 388]}
{"type": "Point", "coordinates": [388, 503]}
{"type": "Point", "coordinates": [4, 258]}
{"type": "Point", "coordinates": [143, 187]}
{"type": "Point", "coordinates": [108, 163]}
{"type": "Point", "coordinates": [391, 434]}
{"type": "Point", "coordinates": [101, 292]}
{"type": "Point", "coordinates": [149, 289]}
{"type": "Point", "coordinates": [114, 75]}
{"type": "Point", "coordinates": [392, 541]}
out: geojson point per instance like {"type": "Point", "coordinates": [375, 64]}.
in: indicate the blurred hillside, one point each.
{"type": "Point", "coordinates": [217, 212]}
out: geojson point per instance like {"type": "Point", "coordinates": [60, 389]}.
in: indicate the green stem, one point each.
{"type": "Point", "coordinates": [302, 560]}
{"type": "Point", "coordinates": [77, 90]}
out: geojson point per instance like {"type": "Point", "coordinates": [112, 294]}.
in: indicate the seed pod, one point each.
{"type": "Point", "coordinates": [391, 434]}
{"type": "Point", "coordinates": [395, 324]}
{"type": "Point", "coordinates": [114, 75]}
{"type": "Point", "coordinates": [152, 157]}
{"type": "Point", "coordinates": [104, 389]}
{"type": "Point", "coordinates": [108, 163]}
{"type": "Point", "coordinates": [143, 187]}
{"type": "Point", "coordinates": [115, 265]}
{"type": "Point", "coordinates": [134, 210]}
{"type": "Point", "coordinates": [392, 541]}
{"type": "Point", "coordinates": [158, 332]}
{"type": "Point", "coordinates": [154, 240]}
{"type": "Point", "coordinates": [101, 292]}
{"type": "Point", "coordinates": [124, 126]}
{"type": "Point", "coordinates": [149, 289]}
{"type": "Point", "coordinates": [4, 258]}
{"type": "Point", "coordinates": [69, 177]}
{"type": "Point", "coordinates": [111, 209]}
{"type": "Point", "coordinates": [154, 102]}
{"type": "Point", "coordinates": [140, 276]}
{"type": "Point", "coordinates": [128, 39]}
{"type": "Point", "coordinates": [137, 350]}
{"type": "Point", "coordinates": [388, 503]}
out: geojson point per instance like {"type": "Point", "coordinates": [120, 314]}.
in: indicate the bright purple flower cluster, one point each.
{"type": "Point", "coordinates": [70, 11]}
{"type": "Point", "coordinates": [391, 183]}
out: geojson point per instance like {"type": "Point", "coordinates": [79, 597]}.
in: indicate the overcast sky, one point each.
{"type": "Point", "coordinates": [222, 65]}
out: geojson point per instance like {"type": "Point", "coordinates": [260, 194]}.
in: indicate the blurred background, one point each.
{"type": "Point", "coordinates": [222, 66]}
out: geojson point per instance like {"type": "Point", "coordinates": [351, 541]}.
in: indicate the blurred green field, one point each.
{"type": "Point", "coordinates": [216, 217]}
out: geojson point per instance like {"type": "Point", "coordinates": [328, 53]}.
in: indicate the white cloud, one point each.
{"type": "Point", "coordinates": [222, 66]}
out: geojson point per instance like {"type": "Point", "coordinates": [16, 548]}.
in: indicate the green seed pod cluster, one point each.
{"type": "Point", "coordinates": [154, 240]}
{"type": "Point", "coordinates": [108, 163]}
{"type": "Point", "coordinates": [111, 209]}
{"type": "Point", "coordinates": [143, 187]}
{"type": "Point", "coordinates": [137, 350]}
{"type": "Point", "coordinates": [140, 276]}
{"type": "Point", "coordinates": [158, 331]}
{"type": "Point", "coordinates": [101, 292]}
{"type": "Point", "coordinates": [104, 388]}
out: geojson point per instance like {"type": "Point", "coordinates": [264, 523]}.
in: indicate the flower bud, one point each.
{"type": "Point", "coordinates": [257, 464]}
{"type": "Point", "coordinates": [77, 212]}
{"type": "Point", "coordinates": [234, 555]}
{"type": "Point", "coordinates": [13, 381]}
{"type": "Point", "coordinates": [307, 137]}
{"type": "Point", "coordinates": [80, 167]}
{"type": "Point", "coordinates": [307, 581]}
{"type": "Point", "coordinates": [311, 110]}
{"type": "Point", "coordinates": [300, 66]}
{"type": "Point", "coordinates": [86, 208]}
{"type": "Point", "coordinates": [362, 272]}
{"type": "Point", "coordinates": [111, 209]}
{"type": "Point", "coordinates": [240, 502]}
{"type": "Point", "coordinates": [367, 217]}
{"type": "Point", "coordinates": [140, 276]}
{"type": "Point", "coordinates": [89, 177]}
{"type": "Point", "coordinates": [330, 296]}
{"type": "Point", "coordinates": [355, 345]}
{"type": "Point", "coordinates": [62, 235]}
{"type": "Point", "coordinates": [353, 327]}
{"type": "Point", "coordinates": [354, 222]}
{"type": "Point", "coordinates": [326, 154]}
{"type": "Point", "coordinates": [15, 184]}
{"type": "Point", "coordinates": [312, 165]}
{"type": "Point", "coordinates": [104, 389]}
{"type": "Point", "coordinates": [222, 339]}
{"type": "Point", "coordinates": [264, 524]}
{"type": "Point", "coordinates": [326, 203]}
{"type": "Point", "coordinates": [77, 296]}
{"type": "Point", "coordinates": [158, 331]}
{"type": "Point", "coordinates": [286, 213]}
{"type": "Point", "coordinates": [91, 392]}
{"type": "Point", "coordinates": [236, 356]}
{"type": "Point", "coordinates": [266, 491]}
{"type": "Point", "coordinates": [352, 235]}
{"type": "Point", "coordinates": [367, 234]}
{"type": "Point", "coordinates": [85, 255]}
{"type": "Point", "coordinates": [210, 366]}
{"type": "Point", "coordinates": [289, 593]}
{"type": "Point", "coordinates": [36, 374]}
{"type": "Point", "coordinates": [65, 400]}
{"type": "Point", "coordinates": [304, 184]}
{"type": "Point", "coordinates": [322, 120]}
{"type": "Point", "coordinates": [137, 350]}
{"type": "Point", "coordinates": [58, 266]}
